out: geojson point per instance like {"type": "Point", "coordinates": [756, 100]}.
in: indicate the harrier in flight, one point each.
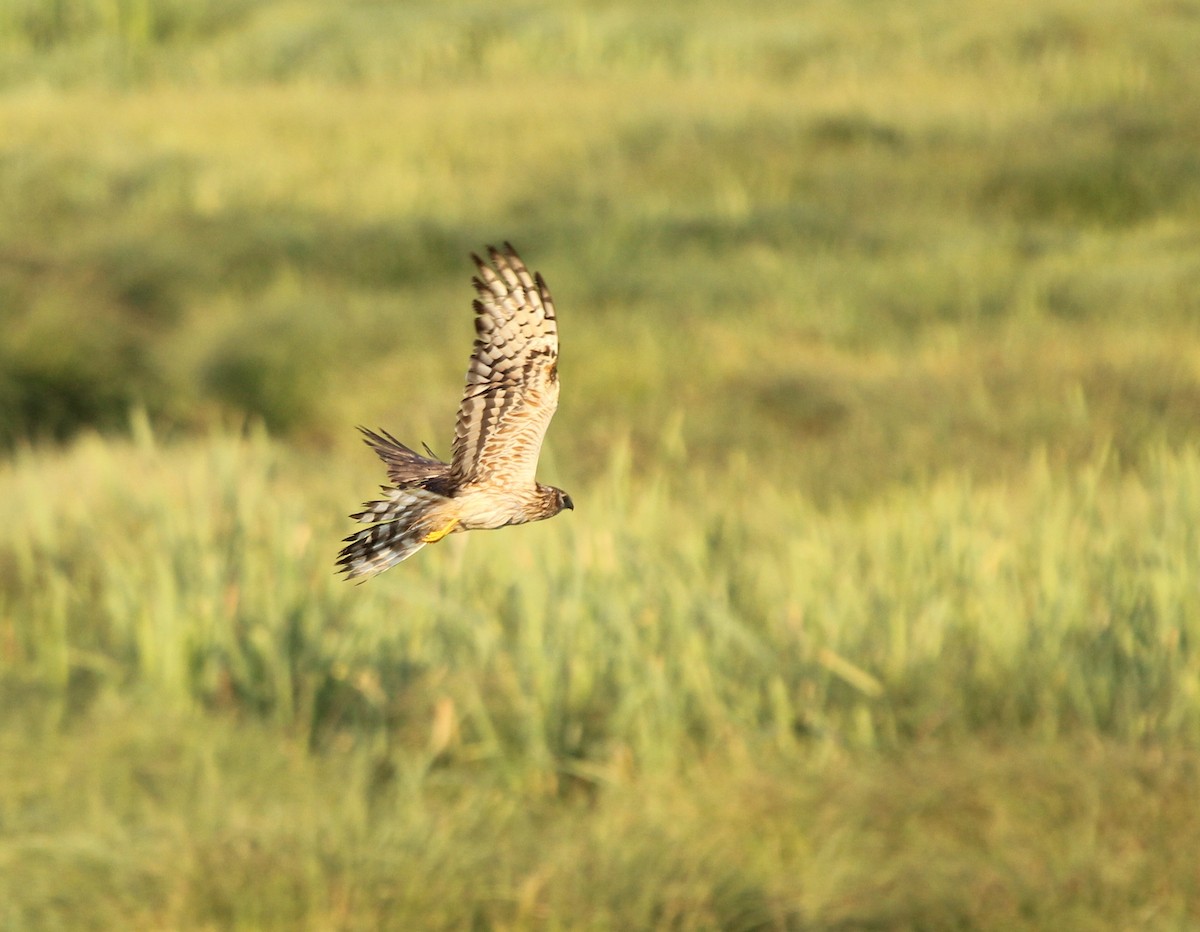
{"type": "Point", "coordinates": [511, 394]}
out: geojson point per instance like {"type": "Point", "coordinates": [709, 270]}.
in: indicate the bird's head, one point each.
{"type": "Point", "coordinates": [555, 500]}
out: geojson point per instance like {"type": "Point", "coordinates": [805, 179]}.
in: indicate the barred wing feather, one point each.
{"type": "Point", "coordinates": [512, 381]}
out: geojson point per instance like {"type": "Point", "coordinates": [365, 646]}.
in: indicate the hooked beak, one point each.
{"type": "Point", "coordinates": [567, 503]}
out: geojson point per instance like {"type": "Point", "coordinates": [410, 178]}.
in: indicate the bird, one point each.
{"type": "Point", "coordinates": [510, 396]}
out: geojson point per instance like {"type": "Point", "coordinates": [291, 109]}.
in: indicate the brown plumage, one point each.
{"type": "Point", "coordinates": [510, 397]}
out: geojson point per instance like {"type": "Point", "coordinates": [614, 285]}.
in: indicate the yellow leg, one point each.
{"type": "Point", "coordinates": [434, 536]}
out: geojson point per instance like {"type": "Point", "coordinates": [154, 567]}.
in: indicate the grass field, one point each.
{"type": "Point", "coordinates": [881, 411]}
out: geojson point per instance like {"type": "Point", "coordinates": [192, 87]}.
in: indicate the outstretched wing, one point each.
{"type": "Point", "coordinates": [404, 466]}
{"type": "Point", "coordinates": [512, 381]}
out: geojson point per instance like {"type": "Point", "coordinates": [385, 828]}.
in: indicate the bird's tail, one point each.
{"type": "Point", "coordinates": [402, 523]}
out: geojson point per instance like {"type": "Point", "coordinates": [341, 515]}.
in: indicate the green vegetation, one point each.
{"type": "Point", "coordinates": [880, 608]}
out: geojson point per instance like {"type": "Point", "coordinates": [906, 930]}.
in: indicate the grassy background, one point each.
{"type": "Point", "coordinates": [881, 403]}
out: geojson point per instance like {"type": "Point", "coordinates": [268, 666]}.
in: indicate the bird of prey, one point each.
{"type": "Point", "coordinates": [511, 394]}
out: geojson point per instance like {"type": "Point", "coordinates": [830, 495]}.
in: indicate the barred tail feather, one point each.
{"type": "Point", "coordinates": [375, 549]}
{"type": "Point", "coordinates": [407, 520]}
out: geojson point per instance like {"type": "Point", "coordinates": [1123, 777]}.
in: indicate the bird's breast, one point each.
{"type": "Point", "coordinates": [485, 508]}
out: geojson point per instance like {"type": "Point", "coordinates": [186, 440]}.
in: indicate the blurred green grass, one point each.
{"type": "Point", "coordinates": [881, 400]}
{"type": "Point", "coordinates": [935, 243]}
{"type": "Point", "coordinates": [959, 706]}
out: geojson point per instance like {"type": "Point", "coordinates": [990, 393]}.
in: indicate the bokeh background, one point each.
{"type": "Point", "coordinates": [880, 607]}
